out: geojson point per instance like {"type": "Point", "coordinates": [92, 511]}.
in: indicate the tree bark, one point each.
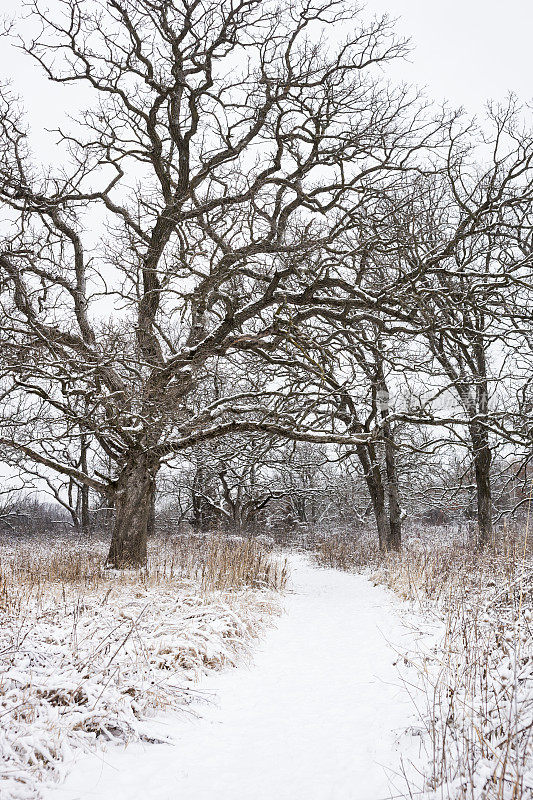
{"type": "Point", "coordinates": [151, 517]}
{"type": "Point", "coordinates": [482, 458]}
{"type": "Point", "coordinates": [134, 494]}
{"type": "Point", "coordinates": [85, 519]}
{"type": "Point", "coordinates": [376, 491]}
{"type": "Point", "coordinates": [395, 512]}
{"type": "Point", "coordinates": [382, 520]}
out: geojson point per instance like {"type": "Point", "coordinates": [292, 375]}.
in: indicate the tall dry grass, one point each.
{"type": "Point", "coordinates": [34, 568]}
{"type": "Point", "coordinates": [347, 552]}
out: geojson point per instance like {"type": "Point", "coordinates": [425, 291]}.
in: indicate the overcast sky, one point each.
{"type": "Point", "coordinates": [465, 51]}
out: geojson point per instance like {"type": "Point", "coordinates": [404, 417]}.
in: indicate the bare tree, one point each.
{"type": "Point", "coordinates": [226, 142]}
{"type": "Point", "coordinates": [458, 234]}
{"type": "Point", "coordinates": [345, 370]}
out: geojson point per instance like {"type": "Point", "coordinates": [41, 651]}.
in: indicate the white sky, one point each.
{"type": "Point", "coordinates": [465, 51]}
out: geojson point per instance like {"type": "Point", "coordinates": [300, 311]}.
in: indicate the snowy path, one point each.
{"type": "Point", "coordinates": [315, 717]}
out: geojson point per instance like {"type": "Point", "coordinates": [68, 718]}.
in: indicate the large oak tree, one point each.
{"type": "Point", "coordinates": [224, 143]}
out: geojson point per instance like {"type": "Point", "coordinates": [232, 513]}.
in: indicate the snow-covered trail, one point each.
{"type": "Point", "coordinates": [315, 717]}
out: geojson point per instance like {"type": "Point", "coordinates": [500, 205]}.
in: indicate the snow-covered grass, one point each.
{"type": "Point", "coordinates": [88, 654]}
{"type": "Point", "coordinates": [477, 682]}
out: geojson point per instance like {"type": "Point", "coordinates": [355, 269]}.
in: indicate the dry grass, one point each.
{"type": "Point", "coordinates": [342, 551]}
{"type": "Point", "coordinates": [227, 563]}
{"type": "Point", "coordinates": [477, 681]}
{"type": "Point", "coordinates": [35, 568]}
{"type": "Point", "coordinates": [431, 567]}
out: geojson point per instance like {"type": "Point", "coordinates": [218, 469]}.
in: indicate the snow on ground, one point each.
{"type": "Point", "coordinates": [318, 716]}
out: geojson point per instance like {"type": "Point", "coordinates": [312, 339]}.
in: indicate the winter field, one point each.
{"type": "Point", "coordinates": [326, 671]}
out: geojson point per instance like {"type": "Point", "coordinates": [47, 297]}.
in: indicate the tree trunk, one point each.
{"type": "Point", "coordinates": [376, 491]}
{"type": "Point", "coordinates": [202, 514]}
{"type": "Point", "coordinates": [382, 521]}
{"type": "Point", "coordinates": [395, 512]}
{"type": "Point", "coordinates": [85, 520]}
{"type": "Point", "coordinates": [151, 517]}
{"type": "Point", "coordinates": [133, 497]}
{"type": "Point", "coordinates": [482, 458]}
